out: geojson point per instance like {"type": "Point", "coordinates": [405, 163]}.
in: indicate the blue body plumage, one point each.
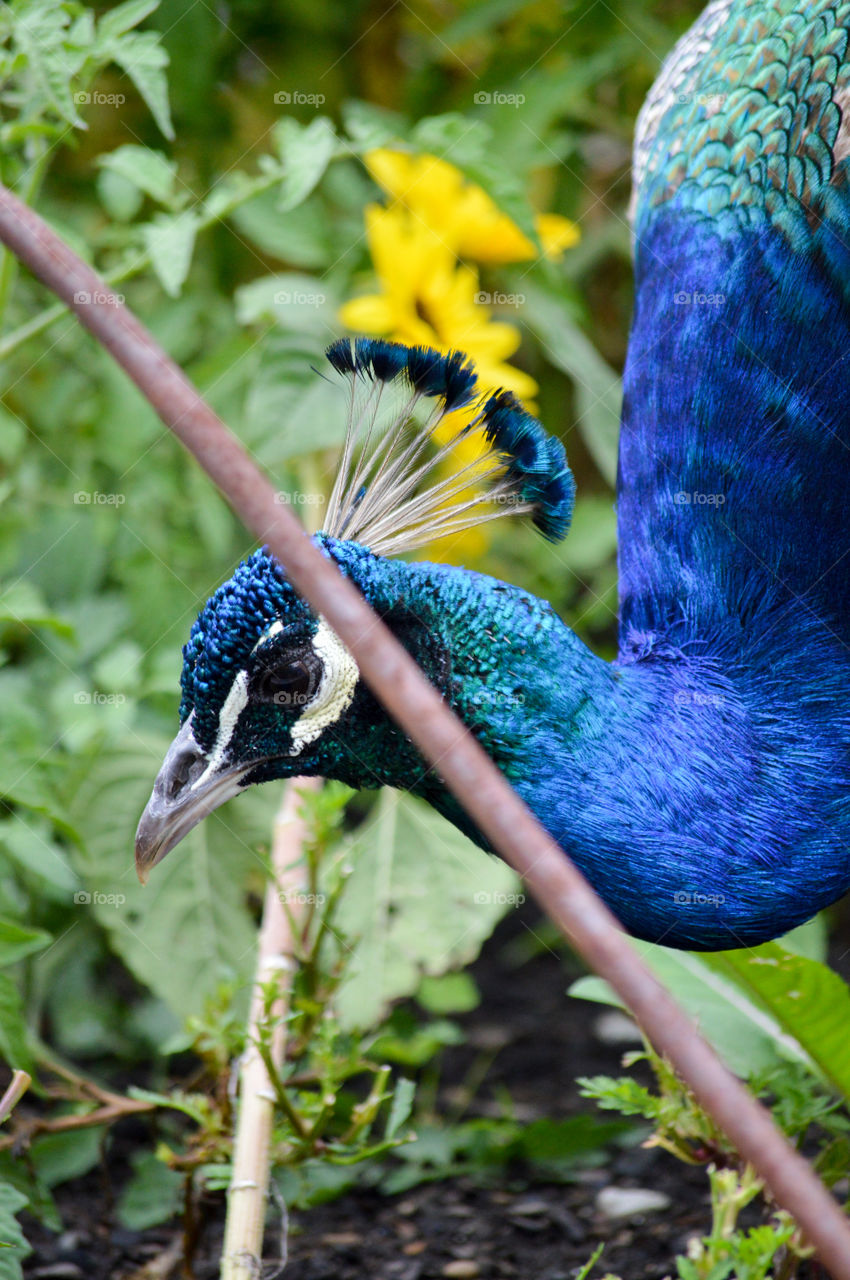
{"type": "Point", "coordinates": [701, 781]}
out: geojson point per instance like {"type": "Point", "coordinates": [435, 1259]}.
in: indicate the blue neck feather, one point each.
{"type": "Point", "coordinates": [660, 774]}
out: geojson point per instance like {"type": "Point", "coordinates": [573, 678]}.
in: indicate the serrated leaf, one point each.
{"type": "Point", "coordinates": [420, 900]}
{"type": "Point", "coordinates": [169, 240]}
{"type": "Point", "coordinates": [17, 941]}
{"type": "Point", "coordinates": [304, 152]}
{"type": "Point", "coordinates": [41, 32]}
{"type": "Point", "coordinates": [805, 998]}
{"type": "Point", "coordinates": [302, 238]}
{"type": "Point", "coordinates": [149, 171]}
{"type": "Point", "coordinates": [598, 390]}
{"type": "Point", "coordinates": [13, 1244]}
{"type": "Point", "coordinates": [143, 58]}
{"type": "Point", "coordinates": [124, 16]}
{"type": "Point", "coordinates": [188, 930]}
{"type": "Point", "coordinates": [370, 126]}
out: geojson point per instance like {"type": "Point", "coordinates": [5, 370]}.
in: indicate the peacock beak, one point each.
{"type": "Point", "coordinates": [187, 788]}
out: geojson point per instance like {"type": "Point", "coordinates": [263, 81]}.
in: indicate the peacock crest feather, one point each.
{"type": "Point", "coordinates": [408, 408]}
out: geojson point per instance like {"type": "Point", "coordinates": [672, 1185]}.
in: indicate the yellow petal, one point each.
{"type": "Point", "coordinates": [556, 233]}
{"type": "Point", "coordinates": [370, 314]}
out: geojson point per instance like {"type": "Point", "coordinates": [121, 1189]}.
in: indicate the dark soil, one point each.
{"type": "Point", "coordinates": [519, 1227]}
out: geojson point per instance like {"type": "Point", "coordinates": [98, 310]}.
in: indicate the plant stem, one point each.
{"type": "Point", "coordinates": [107, 1114]}
{"type": "Point", "coordinates": [246, 1203]}
{"type": "Point", "coordinates": [18, 1086]}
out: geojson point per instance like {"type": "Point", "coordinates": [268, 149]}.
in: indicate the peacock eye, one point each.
{"type": "Point", "coordinates": [292, 684]}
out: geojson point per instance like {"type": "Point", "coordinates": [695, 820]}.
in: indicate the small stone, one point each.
{"type": "Point", "coordinates": [616, 1028]}
{"type": "Point", "coordinates": [461, 1269]}
{"type": "Point", "coordinates": [59, 1271]}
{"type": "Point", "coordinates": [342, 1239]}
{"type": "Point", "coordinates": [529, 1208]}
{"type": "Point", "coordinates": [625, 1202]}
{"type": "Point", "coordinates": [407, 1207]}
{"type": "Point", "coordinates": [413, 1249]}
{"type": "Point", "coordinates": [489, 1037]}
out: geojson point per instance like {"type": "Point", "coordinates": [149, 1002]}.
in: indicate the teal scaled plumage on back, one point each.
{"type": "Point", "coordinates": [701, 781]}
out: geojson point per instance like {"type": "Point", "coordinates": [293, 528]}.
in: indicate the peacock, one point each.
{"type": "Point", "coordinates": [702, 779]}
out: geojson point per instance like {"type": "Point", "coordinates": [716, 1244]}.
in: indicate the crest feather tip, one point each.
{"type": "Point", "coordinates": [390, 493]}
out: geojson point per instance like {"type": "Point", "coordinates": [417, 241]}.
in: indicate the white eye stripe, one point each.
{"type": "Point", "coordinates": [340, 674]}
{"type": "Point", "coordinates": [232, 707]}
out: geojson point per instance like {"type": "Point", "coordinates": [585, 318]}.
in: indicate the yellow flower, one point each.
{"type": "Point", "coordinates": [461, 212]}
{"type": "Point", "coordinates": [428, 299]}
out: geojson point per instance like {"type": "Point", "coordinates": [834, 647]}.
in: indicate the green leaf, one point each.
{"type": "Point", "coordinates": [409, 923]}
{"type": "Point", "coordinates": [151, 1196]}
{"type": "Point", "coordinates": [370, 126]}
{"type": "Point", "coordinates": [302, 238]}
{"type": "Point", "coordinates": [14, 1046]}
{"type": "Point", "coordinates": [288, 410]}
{"type": "Point", "coordinates": [450, 993]}
{"type": "Point", "coordinates": [22, 604]}
{"type": "Point", "coordinates": [13, 1243]}
{"type": "Point", "coordinates": [297, 302]}
{"type": "Point", "coordinates": [189, 929]}
{"type": "Point", "coordinates": [149, 171]}
{"type": "Point", "coordinates": [402, 1105]}
{"type": "Point", "coordinates": [805, 998]}
{"type": "Point", "coordinates": [17, 941]}
{"type": "Point", "coordinates": [143, 58]}
{"type": "Point", "coordinates": [169, 240]}
{"type": "Point", "coordinates": [41, 31]}
{"type": "Point", "coordinates": [809, 939]}
{"type": "Point", "coordinates": [58, 1157]}
{"type": "Point", "coordinates": [746, 1037]}
{"type": "Point", "coordinates": [121, 199]}
{"type": "Point", "coordinates": [124, 16]}
{"type": "Point", "coordinates": [305, 152]}
{"type": "Point", "coordinates": [598, 390]}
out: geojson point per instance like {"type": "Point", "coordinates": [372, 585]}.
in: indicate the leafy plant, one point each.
{"type": "Point", "coordinates": [792, 1053]}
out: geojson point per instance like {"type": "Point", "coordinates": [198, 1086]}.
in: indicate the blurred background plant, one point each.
{"type": "Point", "coordinates": [255, 179]}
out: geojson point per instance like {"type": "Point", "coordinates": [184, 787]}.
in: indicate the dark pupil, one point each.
{"type": "Point", "coordinates": [289, 684]}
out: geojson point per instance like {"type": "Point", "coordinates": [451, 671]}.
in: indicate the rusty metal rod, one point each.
{"type": "Point", "coordinates": [468, 772]}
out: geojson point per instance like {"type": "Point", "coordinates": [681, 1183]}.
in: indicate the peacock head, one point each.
{"type": "Point", "coordinates": [269, 690]}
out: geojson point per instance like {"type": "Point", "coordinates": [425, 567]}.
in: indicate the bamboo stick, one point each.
{"type": "Point", "coordinates": [246, 1199]}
